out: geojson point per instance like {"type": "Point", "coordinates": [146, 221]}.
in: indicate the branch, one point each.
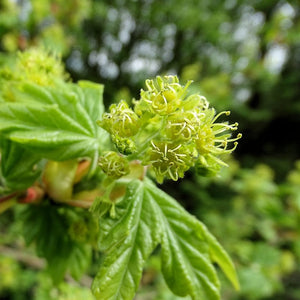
{"type": "Point", "coordinates": [39, 264]}
{"type": "Point", "coordinates": [8, 197]}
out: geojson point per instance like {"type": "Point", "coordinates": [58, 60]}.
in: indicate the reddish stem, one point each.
{"type": "Point", "coordinates": [8, 197]}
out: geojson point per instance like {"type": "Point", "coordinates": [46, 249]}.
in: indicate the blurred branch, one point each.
{"type": "Point", "coordinates": [8, 197]}
{"type": "Point", "coordinates": [23, 257]}
{"type": "Point", "coordinates": [39, 264]}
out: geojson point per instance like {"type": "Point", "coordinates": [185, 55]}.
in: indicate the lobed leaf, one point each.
{"type": "Point", "coordinates": [57, 124]}
{"type": "Point", "coordinates": [127, 241]}
{"type": "Point", "coordinates": [90, 96]}
{"type": "Point", "coordinates": [186, 263]}
{"type": "Point", "coordinates": [145, 218]}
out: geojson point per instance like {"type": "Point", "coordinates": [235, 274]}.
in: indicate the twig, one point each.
{"type": "Point", "coordinates": [40, 264]}
{"type": "Point", "coordinates": [8, 197]}
{"type": "Point", "coordinates": [23, 257]}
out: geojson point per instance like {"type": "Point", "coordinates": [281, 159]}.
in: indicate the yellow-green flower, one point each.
{"type": "Point", "coordinates": [124, 145]}
{"type": "Point", "coordinates": [182, 125]}
{"type": "Point", "coordinates": [114, 165]}
{"type": "Point", "coordinates": [214, 137]}
{"type": "Point", "coordinates": [121, 120]}
{"type": "Point", "coordinates": [169, 160]}
{"type": "Point", "coordinates": [40, 66]}
{"type": "Point", "coordinates": [163, 96]}
{"type": "Point", "coordinates": [213, 140]}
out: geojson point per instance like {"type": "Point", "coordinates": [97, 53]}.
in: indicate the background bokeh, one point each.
{"type": "Point", "coordinates": [243, 56]}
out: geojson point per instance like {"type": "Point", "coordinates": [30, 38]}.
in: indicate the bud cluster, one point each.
{"type": "Point", "coordinates": [169, 130]}
{"type": "Point", "coordinates": [41, 67]}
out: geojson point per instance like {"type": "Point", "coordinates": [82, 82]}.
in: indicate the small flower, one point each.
{"type": "Point", "coordinates": [182, 125]}
{"type": "Point", "coordinates": [195, 103]}
{"type": "Point", "coordinates": [169, 160]}
{"type": "Point", "coordinates": [162, 96]}
{"type": "Point", "coordinates": [213, 138]}
{"type": "Point", "coordinates": [121, 120]}
{"type": "Point", "coordinates": [124, 145]}
{"type": "Point", "coordinates": [114, 165]}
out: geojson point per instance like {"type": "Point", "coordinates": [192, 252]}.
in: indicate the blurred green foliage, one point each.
{"type": "Point", "coordinates": [244, 56]}
{"type": "Point", "coordinates": [20, 284]}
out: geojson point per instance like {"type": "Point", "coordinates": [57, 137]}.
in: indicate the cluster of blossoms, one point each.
{"type": "Point", "coordinates": [168, 130]}
{"type": "Point", "coordinates": [34, 65]}
{"type": "Point", "coordinates": [40, 67]}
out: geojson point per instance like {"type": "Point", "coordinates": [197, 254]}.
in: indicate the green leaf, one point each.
{"type": "Point", "coordinates": [90, 96]}
{"type": "Point", "coordinates": [145, 218]}
{"type": "Point", "coordinates": [186, 263]}
{"type": "Point", "coordinates": [58, 124]}
{"type": "Point", "coordinates": [18, 167]}
{"type": "Point", "coordinates": [46, 226]}
{"type": "Point", "coordinates": [127, 241]}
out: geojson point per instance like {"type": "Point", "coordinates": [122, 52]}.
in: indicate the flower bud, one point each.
{"type": "Point", "coordinates": [124, 145]}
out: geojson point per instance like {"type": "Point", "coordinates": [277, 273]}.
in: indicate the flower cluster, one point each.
{"type": "Point", "coordinates": [170, 131]}
{"type": "Point", "coordinates": [40, 66]}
